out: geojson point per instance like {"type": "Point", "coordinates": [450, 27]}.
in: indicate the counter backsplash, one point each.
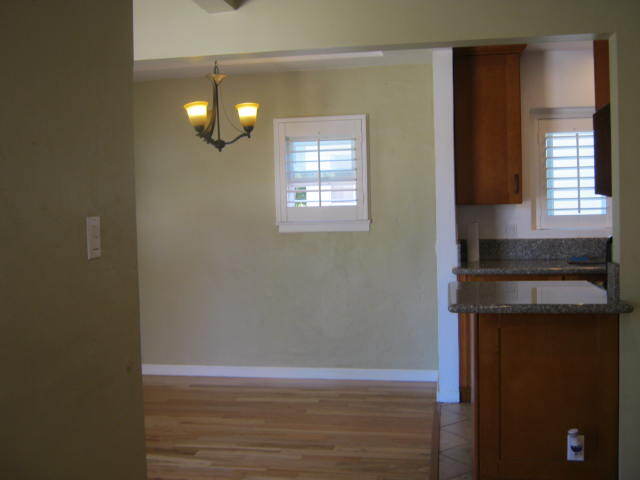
{"type": "Point", "coordinates": [542, 249]}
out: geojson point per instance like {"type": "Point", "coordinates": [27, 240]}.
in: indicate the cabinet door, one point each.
{"type": "Point", "coordinates": [602, 118]}
{"type": "Point", "coordinates": [488, 146]}
{"type": "Point", "coordinates": [536, 377]}
{"type": "Point", "coordinates": [602, 150]}
{"type": "Point", "coordinates": [601, 72]}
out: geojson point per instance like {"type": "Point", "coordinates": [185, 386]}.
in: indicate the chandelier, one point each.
{"type": "Point", "coordinates": [206, 120]}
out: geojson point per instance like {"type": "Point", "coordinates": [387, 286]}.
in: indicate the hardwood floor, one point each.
{"type": "Point", "coordinates": [257, 429]}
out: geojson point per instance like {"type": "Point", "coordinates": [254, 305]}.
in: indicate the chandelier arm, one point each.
{"type": "Point", "coordinates": [224, 110]}
{"type": "Point", "coordinates": [206, 133]}
{"type": "Point", "coordinates": [243, 134]}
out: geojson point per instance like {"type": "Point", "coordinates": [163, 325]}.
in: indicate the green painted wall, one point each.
{"type": "Point", "coordinates": [220, 286]}
{"type": "Point", "coordinates": [71, 398]}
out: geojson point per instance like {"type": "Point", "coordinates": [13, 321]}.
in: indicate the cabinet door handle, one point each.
{"type": "Point", "coordinates": [517, 183]}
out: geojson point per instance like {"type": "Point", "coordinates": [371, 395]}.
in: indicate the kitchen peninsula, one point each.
{"type": "Point", "coordinates": [544, 360]}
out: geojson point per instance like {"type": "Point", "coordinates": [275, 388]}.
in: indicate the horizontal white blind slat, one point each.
{"type": "Point", "coordinates": [570, 175]}
{"type": "Point", "coordinates": [321, 172]}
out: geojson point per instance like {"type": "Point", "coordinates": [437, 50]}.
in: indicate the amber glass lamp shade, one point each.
{"type": "Point", "coordinates": [248, 112]}
{"type": "Point", "coordinates": [197, 112]}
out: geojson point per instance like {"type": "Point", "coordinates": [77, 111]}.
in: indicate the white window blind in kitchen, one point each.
{"type": "Point", "coordinates": [568, 198]}
{"type": "Point", "coordinates": [321, 182]}
{"type": "Point", "coordinates": [570, 175]}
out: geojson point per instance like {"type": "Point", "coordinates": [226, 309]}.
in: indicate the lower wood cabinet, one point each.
{"type": "Point", "coordinates": [533, 378]}
{"type": "Point", "coordinates": [464, 335]}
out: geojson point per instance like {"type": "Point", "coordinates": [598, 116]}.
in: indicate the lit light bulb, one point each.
{"type": "Point", "coordinates": [248, 113]}
{"type": "Point", "coordinates": [197, 112]}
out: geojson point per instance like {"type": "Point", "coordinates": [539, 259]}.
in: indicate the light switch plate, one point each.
{"type": "Point", "coordinates": [94, 247]}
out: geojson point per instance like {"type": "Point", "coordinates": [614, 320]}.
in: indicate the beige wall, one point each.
{"type": "Point", "coordinates": [69, 345]}
{"type": "Point", "coordinates": [220, 286]}
{"type": "Point", "coordinates": [284, 25]}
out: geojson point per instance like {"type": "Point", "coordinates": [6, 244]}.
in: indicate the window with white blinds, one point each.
{"type": "Point", "coordinates": [568, 197]}
{"type": "Point", "coordinates": [571, 176]}
{"type": "Point", "coordinates": [321, 173]}
{"type": "Point", "coordinates": [321, 182]}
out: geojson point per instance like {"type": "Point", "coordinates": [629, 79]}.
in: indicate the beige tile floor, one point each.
{"type": "Point", "coordinates": [456, 437]}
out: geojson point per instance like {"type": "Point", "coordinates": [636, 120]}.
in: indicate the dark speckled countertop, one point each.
{"type": "Point", "coordinates": [533, 297]}
{"type": "Point", "coordinates": [528, 267]}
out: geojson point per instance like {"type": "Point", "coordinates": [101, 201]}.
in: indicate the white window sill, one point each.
{"type": "Point", "coordinates": [579, 231]}
{"type": "Point", "coordinates": [596, 224]}
{"type": "Point", "coordinates": [332, 226]}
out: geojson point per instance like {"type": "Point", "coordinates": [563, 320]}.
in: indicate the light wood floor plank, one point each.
{"type": "Point", "coordinates": [269, 429]}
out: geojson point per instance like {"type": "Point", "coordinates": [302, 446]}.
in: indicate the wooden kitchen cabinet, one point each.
{"type": "Point", "coordinates": [534, 378]}
{"type": "Point", "coordinates": [602, 151]}
{"type": "Point", "coordinates": [525, 277]}
{"type": "Point", "coordinates": [465, 319]}
{"type": "Point", "coordinates": [488, 144]}
{"type": "Point", "coordinates": [601, 72]}
{"type": "Point", "coordinates": [602, 118]}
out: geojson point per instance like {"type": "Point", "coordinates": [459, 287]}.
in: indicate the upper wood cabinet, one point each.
{"type": "Point", "coordinates": [601, 72]}
{"type": "Point", "coordinates": [602, 118]}
{"type": "Point", "coordinates": [488, 143]}
{"type": "Point", "coordinates": [602, 150]}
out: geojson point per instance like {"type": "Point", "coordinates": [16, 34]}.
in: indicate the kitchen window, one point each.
{"type": "Point", "coordinates": [321, 174]}
{"type": "Point", "coordinates": [566, 197]}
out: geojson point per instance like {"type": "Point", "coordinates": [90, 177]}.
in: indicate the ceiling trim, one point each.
{"type": "Point", "coordinates": [147, 70]}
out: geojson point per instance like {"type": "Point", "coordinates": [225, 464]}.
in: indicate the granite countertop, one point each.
{"type": "Point", "coordinates": [528, 267]}
{"type": "Point", "coordinates": [532, 297]}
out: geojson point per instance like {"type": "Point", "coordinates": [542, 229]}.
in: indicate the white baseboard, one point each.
{"type": "Point", "coordinates": [285, 372]}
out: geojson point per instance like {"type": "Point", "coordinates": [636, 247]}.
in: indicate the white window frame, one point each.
{"type": "Point", "coordinates": [594, 223]}
{"type": "Point", "coordinates": [321, 219]}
